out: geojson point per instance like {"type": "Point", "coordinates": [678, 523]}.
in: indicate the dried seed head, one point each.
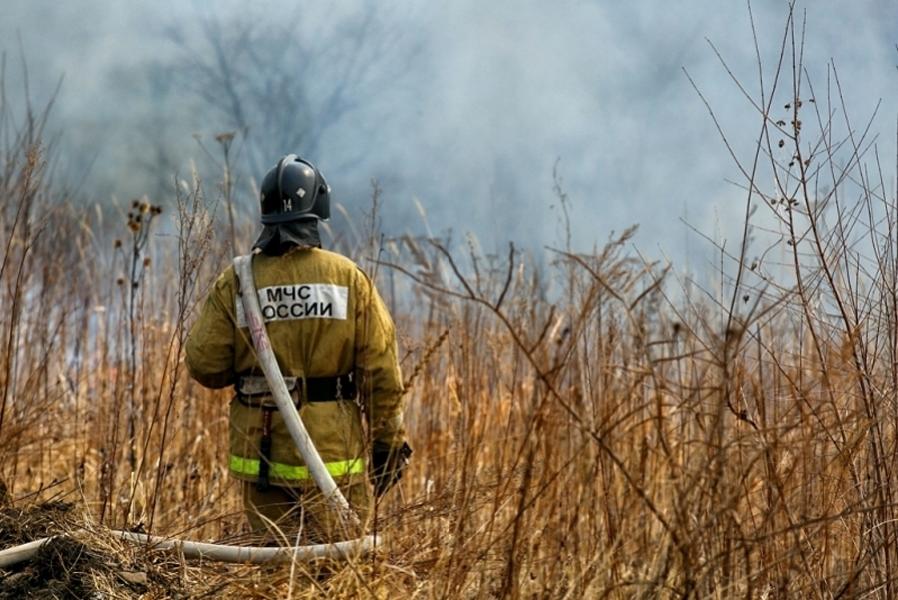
{"type": "Point", "coordinates": [117, 244]}
{"type": "Point", "coordinates": [146, 262]}
{"type": "Point", "coordinates": [120, 281]}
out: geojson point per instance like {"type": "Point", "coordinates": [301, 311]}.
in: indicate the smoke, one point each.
{"type": "Point", "coordinates": [467, 106]}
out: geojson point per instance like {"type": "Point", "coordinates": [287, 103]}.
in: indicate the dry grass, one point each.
{"type": "Point", "coordinates": [594, 427]}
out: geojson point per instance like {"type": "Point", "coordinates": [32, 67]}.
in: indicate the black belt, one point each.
{"type": "Point", "coordinates": [318, 389]}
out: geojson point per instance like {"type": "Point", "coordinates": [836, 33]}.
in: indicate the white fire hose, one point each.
{"type": "Point", "coordinates": [323, 479]}
{"type": "Point", "coordinates": [217, 552]}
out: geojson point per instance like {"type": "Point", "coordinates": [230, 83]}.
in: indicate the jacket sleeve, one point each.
{"type": "Point", "coordinates": [377, 363]}
{"type": "Point", "coordinates": [209, 349]}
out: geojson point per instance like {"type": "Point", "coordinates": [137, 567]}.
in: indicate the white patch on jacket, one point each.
{"type": "Point", "coordinates": [300, 301]}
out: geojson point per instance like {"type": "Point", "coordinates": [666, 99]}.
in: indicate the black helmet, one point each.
{"type": "Point", "coordinates": [294, 190]}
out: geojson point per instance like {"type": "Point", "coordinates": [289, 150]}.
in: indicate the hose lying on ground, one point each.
{"type": "Point", "coordinates": [17, 554]}
{"type": "Point", "coordinates": [253, 554]}
{"type": "Point", "coordinates": [217, 552]}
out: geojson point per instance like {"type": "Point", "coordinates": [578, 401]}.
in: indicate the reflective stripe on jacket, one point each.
{"type": "Point", "coordinates": [249, 467]}
{"type": "Point", "coordinates": [324, 318]}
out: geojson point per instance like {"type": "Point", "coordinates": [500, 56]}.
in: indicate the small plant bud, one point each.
{"type": "Point", "coordinates": [117, 244]}
{"type": "Point", "coordinates": [788, 106]}
{"type": "Point", "coordinates": [120, 281]}
{"type": "Point", "coordinates": [781, 143]}
{"type": "Point", "coordinates": [146, 262]}
{"type": "Point", "coordinates": [745, 298]}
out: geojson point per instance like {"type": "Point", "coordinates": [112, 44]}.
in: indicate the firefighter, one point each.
{"type": "Point", "coordinates": [336, 346]}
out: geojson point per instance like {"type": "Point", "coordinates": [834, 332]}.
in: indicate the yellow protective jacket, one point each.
{"type": "Point", "coordinates": [325, 319]}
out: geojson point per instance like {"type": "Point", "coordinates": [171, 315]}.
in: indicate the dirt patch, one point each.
{"type": "Point", "coordinates": [22, 525]}
{"type": "Point", "coordinates": [78, 562]}
{"type": "Point", "coordinates": [62, 568]}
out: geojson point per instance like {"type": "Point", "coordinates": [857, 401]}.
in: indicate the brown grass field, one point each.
{"type": "Point", "coordinates": [585, 424]}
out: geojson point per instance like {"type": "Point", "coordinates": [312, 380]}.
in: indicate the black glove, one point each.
{"type": "Point", "coordinates": [387, 465]}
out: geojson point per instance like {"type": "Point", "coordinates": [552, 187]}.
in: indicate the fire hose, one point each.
{"type": "Point", "coordinates": [322, 477]}
{"type": "Point", "coordinates": [217, 552]}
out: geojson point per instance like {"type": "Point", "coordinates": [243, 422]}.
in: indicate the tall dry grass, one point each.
{"type": "Point", "coordinates": [585, 424]}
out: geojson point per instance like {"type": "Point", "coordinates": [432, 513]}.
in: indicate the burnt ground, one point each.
{"type": "Point", "coordinates": [79, 563]}
{"type": "Point", "coordinates": [21, 525]}
{"type": "Point", "coordinates": [86, 561]}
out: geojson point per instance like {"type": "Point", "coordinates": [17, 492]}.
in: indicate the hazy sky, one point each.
{"type": "Point", "coordinates": [475, 104]}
